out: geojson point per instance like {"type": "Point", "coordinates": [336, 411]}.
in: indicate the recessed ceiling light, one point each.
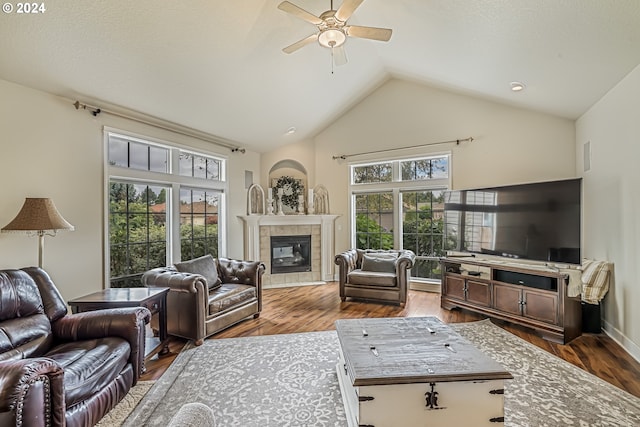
{"type": "Point", "coordinates": [290, 131]}
{"type": "Point", "coordinates": [517, 86]}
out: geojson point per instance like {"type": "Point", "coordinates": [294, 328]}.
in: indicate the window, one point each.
{"type": "Point", "coordinates": [137, 231]}
{"type": "Point", "coordinates": [198, 223]}
{"type": "Point", "coordinates": [145, 187]}
{"type": "Point", "coordinates": [374, 221]}
{"type": "Point", "coordinates": [400, 204]}
{"type": "Point", "coordinates": [423, 229]}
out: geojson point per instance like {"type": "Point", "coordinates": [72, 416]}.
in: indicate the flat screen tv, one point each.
{"type": "Point", "coordinates": [538, 221]}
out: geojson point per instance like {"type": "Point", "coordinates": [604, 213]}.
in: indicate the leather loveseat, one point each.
{"type": "Point", "coordinates": [378, 275]}
{"type": "Point", "coordinates": [209, 294]}
{"type": "Point", "coordinates": [59, 369]}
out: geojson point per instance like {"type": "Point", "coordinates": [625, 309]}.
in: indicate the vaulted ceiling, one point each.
{"type": "Point", "coordinates": [218, 66]}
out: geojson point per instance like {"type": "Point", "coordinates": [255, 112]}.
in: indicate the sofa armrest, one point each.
{"type": "Point", "coordinates": [346, 262]}
{"type": "Point", "coordinates": [127, 323]}
{"type": "Point", "coordinates": [175, 280]}
{"type": "Point", "coordinates": [31, 392]}
{"type": "Point", "coordinates": [405, 262]}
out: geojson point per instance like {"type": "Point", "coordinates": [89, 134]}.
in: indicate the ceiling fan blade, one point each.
{"type": "Point", "coordinates": [299, 12]}
{"type": "Point", "coordinates": [347, 8]}
{"type": "Point", "coordinates": [339, 55]}
{"type": "Point", "coordinates": [300, 43]}
{"type": "Point", "coordinates": [381, 34]}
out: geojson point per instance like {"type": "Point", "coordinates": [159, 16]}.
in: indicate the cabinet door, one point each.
{"type": "Point", "coordinates": [540, 305]}
{"type": "Point", "coordinates": [479, 293]}
{"type": "Point", "coordinates": [507, 298]}
{"type": "Point", "coordinates": [454, 287]}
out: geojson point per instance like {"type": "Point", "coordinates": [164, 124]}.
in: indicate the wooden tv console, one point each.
{"type": "Point", "coordinates": [527, 295]}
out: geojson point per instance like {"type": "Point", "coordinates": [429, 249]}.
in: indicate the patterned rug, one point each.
{"type": "Point", "coordinates": [290, 380]}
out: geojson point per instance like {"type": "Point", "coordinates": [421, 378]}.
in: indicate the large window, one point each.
{"type": "Point", "coordinates": [399, 204]}
{"type": "Point", "coordinates": [164, 206]}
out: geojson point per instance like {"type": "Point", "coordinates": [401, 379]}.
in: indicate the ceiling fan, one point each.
{"type": "Point", "coordinates": [333, 29]}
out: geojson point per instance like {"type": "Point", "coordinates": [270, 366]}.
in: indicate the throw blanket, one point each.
{"type": "Point", "coordinates": [595, 280]}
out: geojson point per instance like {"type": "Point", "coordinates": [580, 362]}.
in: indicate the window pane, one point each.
{"type": "Point", "coordinates": [374, 221]}
{"type": "Point", "coordinates": [382, 172]}
{"type": "Point", "coordinates": [186, 164]}
{"type": "Point", "coordinates": [158, 159]}
{"type": "Point", "coordinates": [424, 169]}
{"type": "Point", "coordinates": [213, 169]}
{"type": "Point", "coordinates": [423, 222]}
{"type": "Point", "coordinates": [138, 156]}
{"type": "Point", "coordinates": [199, 167]}
{"type": "Point", "coordinates": [137, 232]}
{"type": "Point", "coordinates": [118, 152]}
{"type": "Point", "coordinates": [440, 168]}
{"type": "Point", "coordinates": [198, 223]}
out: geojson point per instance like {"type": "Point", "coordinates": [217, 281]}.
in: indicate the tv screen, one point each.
{"type": "Point", "coordinates": [537, 221]}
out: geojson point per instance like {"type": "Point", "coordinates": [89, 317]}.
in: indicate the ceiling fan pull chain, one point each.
{"type": "Point", "coordinates": [332, 61]}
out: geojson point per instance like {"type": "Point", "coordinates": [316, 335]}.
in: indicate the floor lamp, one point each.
{"type": "Point", "coordinates": [38, 217]}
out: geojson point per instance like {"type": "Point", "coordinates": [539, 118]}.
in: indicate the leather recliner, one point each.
{"type": "Point", "coordinates": [194, 311]}
{"type": "Point", "coordinates": [59, 369]}
{"type": "Point", "coordinates": [377, 275]}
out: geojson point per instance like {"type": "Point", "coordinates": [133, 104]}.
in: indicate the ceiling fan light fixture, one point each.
{"type": "Point", "coordinates": [332, 37]}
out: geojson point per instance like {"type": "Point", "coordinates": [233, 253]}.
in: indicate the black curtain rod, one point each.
{"type": "Point", "coordinates": [171, 127]}
{"type": "Point", "coordinates": [456, 141]}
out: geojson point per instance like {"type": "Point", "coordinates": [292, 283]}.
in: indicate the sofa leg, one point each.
{"type": "Point", "coordinates": [343, 299]}
{"type": "Point", "coordinates": [199, 342]}
{"type": "Point", "coordinates": [255, 316]}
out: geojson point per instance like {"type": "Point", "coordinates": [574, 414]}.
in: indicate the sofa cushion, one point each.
{"type": "Point", "coordinates": [230, 295]}
{"type": "Point", "coordinates": [204, 266]}
{"type": "Point", "coordinates": [379, 263]}
{"type": "Point", "coordinates": [89, 366]}
{"type": "Point", "coordinates": [371, 278]}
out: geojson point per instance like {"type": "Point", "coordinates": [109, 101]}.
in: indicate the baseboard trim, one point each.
{"type": "Point", "coordinates": [291, 285]}
{"type": "Point", "coordinates": [615, 334]}
{"type": "Point", "coordinates": [425, 287]}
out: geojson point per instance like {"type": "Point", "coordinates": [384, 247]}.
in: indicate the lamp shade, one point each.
{"type": "Point", "coordinates": [37, 214]}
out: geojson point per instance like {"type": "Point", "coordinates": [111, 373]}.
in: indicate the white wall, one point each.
{"type": "Point", "coordinates": [51, 150]}
{"type": "Point", "coordinates": [511, 145]}
{"type": "Point", "coordinates": [612, 202]}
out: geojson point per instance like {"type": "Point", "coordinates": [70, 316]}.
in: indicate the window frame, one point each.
{"type": "Point", "coordinates": [396, 186]}
{"type": "Point", "coordinates": [174, 181]}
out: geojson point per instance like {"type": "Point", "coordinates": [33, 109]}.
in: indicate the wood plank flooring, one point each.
{"type": "Point", "coordinates": [315, 308]}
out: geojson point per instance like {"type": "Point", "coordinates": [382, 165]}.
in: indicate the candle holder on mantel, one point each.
{"type": "Point", "coordinates": [270, 206]}
{"type": "Point", "coordinates": [279, 203]}
{"type": "Point", "coordinates": [301, 204]}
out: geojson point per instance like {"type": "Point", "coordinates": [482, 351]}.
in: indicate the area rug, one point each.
{"type": "Point", "coordinates": [115, 417]}
{"type": "Point", "coordinates": [290, 380]}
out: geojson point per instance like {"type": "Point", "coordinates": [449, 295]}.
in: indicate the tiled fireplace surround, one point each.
{"type": "Point", "coordinates": [258, 230]}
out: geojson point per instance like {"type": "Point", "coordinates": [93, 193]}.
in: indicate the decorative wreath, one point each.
{"type": "Point", "coordinates": [291, 191]}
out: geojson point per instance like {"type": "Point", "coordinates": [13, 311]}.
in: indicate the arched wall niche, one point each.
{"type": "Point", "coordinates": [288, 167]}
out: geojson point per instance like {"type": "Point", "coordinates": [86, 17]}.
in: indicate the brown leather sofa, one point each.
{"type": "Point", "coordinates": [378, 275]}
{"type": "Point", "coordinates": [59, 369]}
{"type": "Point", "coordinates": [196, 309]}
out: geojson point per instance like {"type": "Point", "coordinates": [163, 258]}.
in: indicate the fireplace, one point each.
{"type": "Point", "coordinates": [290, 254]}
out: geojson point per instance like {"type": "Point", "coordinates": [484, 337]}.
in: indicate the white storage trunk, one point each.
{"type": "Point", "coordinates": [416, 372]}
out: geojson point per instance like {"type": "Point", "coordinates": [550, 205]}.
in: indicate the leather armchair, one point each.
{"type": "Point", "coordinates": [60, 369]}
{"type": "Point", "coordinates": [194, 311]}
{"type": "Point", "coordinates": [378, 275]}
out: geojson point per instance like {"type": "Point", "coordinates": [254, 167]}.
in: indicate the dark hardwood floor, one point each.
{"type": "Point", "coordinates": [315, 308]}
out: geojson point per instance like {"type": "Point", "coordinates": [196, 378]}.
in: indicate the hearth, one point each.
{"type": "Point", "coordinates": [290, 254]}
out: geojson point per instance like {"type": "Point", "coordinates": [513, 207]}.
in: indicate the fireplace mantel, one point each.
{"type": "Point", "coordinates": [252, 224]}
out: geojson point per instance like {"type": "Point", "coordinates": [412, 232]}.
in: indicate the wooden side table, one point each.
{"type": "Point", "coordinates": [154, 299]}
